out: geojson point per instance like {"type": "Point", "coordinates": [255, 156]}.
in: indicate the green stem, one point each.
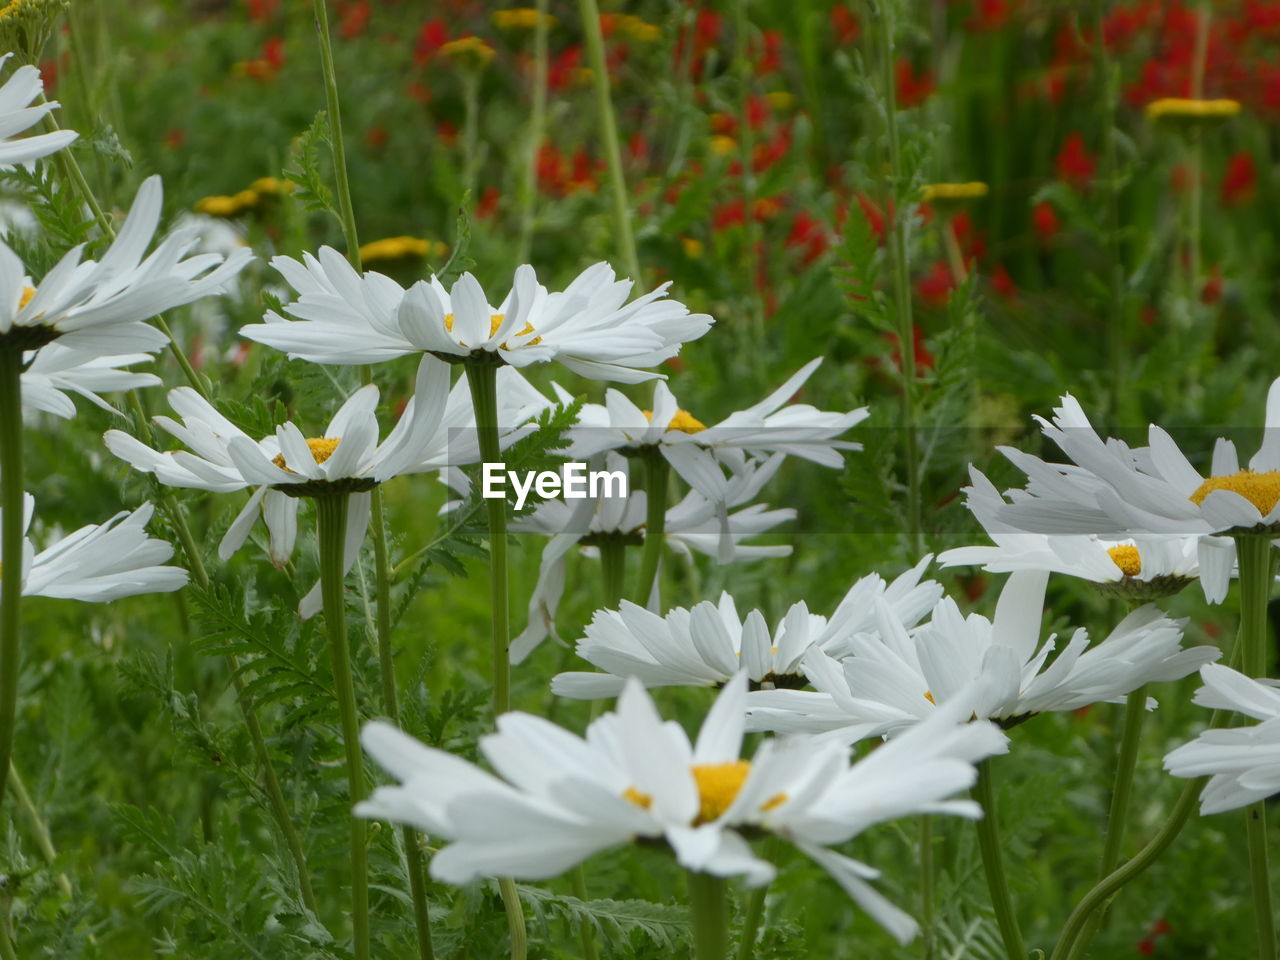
{"type": "Point", "coordinates": [993, 864]}
{"type": "Point", "coordinates": [1257, 564]}
{"type": "Point", "coordinates": [613, 569]}
{"type": "Point", "coordinates": [590, 13]}
{"type": "Point", "coordinates": [657, 471]}
{"type": "Point", "coordinates": [896, 225]}
{"type": "Point", "coordinates": [6, 945]}
{"type": "Point", "coordinates": [345, 208]}
{"type": "Point", "coordinates": [708, 915]}
{"type": "Point", "coordinates": [482, 375]}
{"type": "Point", "coordinates": [1106, 889]}
{"type": "Point", "coordinates": [331, 510]}
{"type": "Point", "coordinates": [38, 827]}
{"type": "Point", "coordinates": [928, 884]}
{"type": "Point", "coordinates": [537, 123]}
{"type": "Point", "coordinates": [578, 877]}
{"type": "Point", "coordinates": [1135, 710]}
{"type": "Point", "coordinates": [391, 706]}
{"type": "Point", "coordinates": [755, 906]}
{"type": "Point", "coordinates": [470, 130]}
{"type": "Point", "coordinates": [10, 547]}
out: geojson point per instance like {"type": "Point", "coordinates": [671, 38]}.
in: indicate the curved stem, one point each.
{"type": "Point", "coordinates": [708, 915]}
{"type": "Point", "coordinates": [11, 527]}
{"type": "Point", "coordinates": [1135, 709]}
{"type": "Point", "coordinates": [38, 827]}
{"type": "Point", "coordinates": [657, 471]}
{"type": "Point", "coordinates": [332, 512]}
{"type": "Point", "coordinates": [336, 144]}
{"type": "Point", "coordinates": [482, 376]}
{"type": "Point", "coordinates": [993, 864]}
{"type": "Point", "coordinates": [1256, 560]}
{"type": "Point", "coordinates": [590, 13]}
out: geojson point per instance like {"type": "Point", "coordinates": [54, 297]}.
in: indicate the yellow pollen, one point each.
{"type": "Point", "coordinates": [954, 191]}
{"type": "Point", "coordinates": [642, 800]}
{"type": "Point", "coordinates": [27, 294]}
{"type": "Point", "coordinates": [718, 786]}
{"type": "Point", "coordinates": [321, 449]}
{"type": "Point", "coordinates": [495, 321]}
{"type": "Point", "coordinates": [1127, 558]}
{"type": "Point", "coordinates": [683, 421]}
{"type": "Point", "coordinates": [1260, 489]}
{"type": "Point", "coordinates": [777, 800]}
{"type": "Point", "coordinates": [928, 695]}
{"type": "Point", "coordinates": [1178, 108]}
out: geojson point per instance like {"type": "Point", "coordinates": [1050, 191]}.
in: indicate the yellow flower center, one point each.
{"type": "Point", "coordinates": [321, 449]}
{"type": "Point", "coordinates": [27, 294]}
{"type": "Point", "coordinates": [1126, 557]}
{"type": "Point", "coordinates": [471, 51]}
{"type": "Point", "coordinates": [1260, 489]}
{"type": "Point", "coordinates": [683, 421]}
{"type": "Point", "coordinates": [718, 786]}
{"type": "Point", "coordinates": [495, 321]}
{"type": "Point", "coordinates": [928, 695]}
{"type": "Point", "coordinates": [521, 18]}
{"type": "Point", "coordinates": [954, 191]}
{"type": "Point", "coordinates": [1187, 109]}
{"type": "Point", "coordinates": [397, 248]}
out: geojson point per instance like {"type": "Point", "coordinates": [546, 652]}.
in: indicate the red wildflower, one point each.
{"type": "Point", "coordinates": [1075, 164]}
{"type": "Point", "coordinates": [1003, 284]}
{"type": "Point", "coordinates": [488, 204]}
{"type": "Point", "coordinates": [1240, 180]}
{"type": "Point", "coordinates": [770, 60]}
{"type": "Point", "coordinates": [355, 17]}
{"type": "Point", "coordinates": [989, 15]}
{"type": "Point", "coordinates": [912, 89]}
{"type": "Point", "coordinates": [873, 214]}
{"type": "Point", "coordinates": [809, 235]}
{"type": "Point", "coordinates": [431, 37]}
{"type": "Point", "coordinates": [1211, 292]}
{"type": "Point", "coordinates": [935, 287]}
{"type": "Point", "coordinates": [273, 52]}
{"type": "Point", "coordinates": [973, 243]}
{"type": "Point", "coordinates": [757, 111]}
{"type": "Point", "coordinates": [174, 138]}
{"type": "Point", "coordinates": [1045, 222]}
{"type": "Point", "coordinates": [261, 11]}
{"type": "Point", "coordinates": [376, 137]}
{"type": "Point", "coordinates": [447, 133]}
{"type": "Point", "coordinates": [924, 358]}
{"type": "Point", "coordinates": [844, 25]}
{"type": "Point", "coordinates": [565, 68]}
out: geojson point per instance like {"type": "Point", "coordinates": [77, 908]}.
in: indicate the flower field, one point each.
{"type": "Point", "coordinates": [627, 480]}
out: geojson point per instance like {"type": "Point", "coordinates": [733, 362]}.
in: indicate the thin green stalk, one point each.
{"type": "Point", "coordinates": [482, 375]}
{"type": "Point", "coordinates": [1257, 563]}
{"type": "Point", "coordinates": [39, 829]}
{"type": "Point", "coordinates": [928, 885]}
{"type": "Point", "coordinates": [708, 915]}
{"type": "Point", "coordinates": [6, 945]}
{"type": "Point", "coordinates": [590, 13]}
{"type": "Point", "coordinates": [613, 570]}
{"type": "Point", "coordinates": [1103, 891]}
{"type": "Point", "coordinates": [470, 130]}
{"type": "Point", "coordinates": [993, 864]}
{"type": "Point", "coordinates": [578, 877]}
{"type": "Point", "coordinates": [895, 224]}
{"type": "Point", "coordinates": [332, 105]}
{"type": "Point", "coordinates": [755, 908]}
{"type": "Point", "coordinates": [331, 510]}
{"type": "Point", "coordinates": [10, 547]}
{"type": "Point", "coordinates": [657, 471]}
{"type": "Point", "coordinates": [1135, 710]}
{"type": "Point", "coordinates": [537, 124]}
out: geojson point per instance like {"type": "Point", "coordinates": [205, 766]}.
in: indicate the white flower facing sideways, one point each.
{"type": "Point", "coordinates": [101, 307]}
{"type": "Point", "coordinates": [707, 644]}
{"type": "Point", "coordinates": [1243, 763]}
{"type": "Point", "coordinates": [54, 371]}
{"type": "Point", "coordinates": [691, 526]}
{"type": "Point", "coordinates": [696, 451]}
{"type": "Point", "coordinates": [99, 562]}
{"type": "Point", "coordinates": [1143, 568]}
{"type": "Point", "coordinates": [1113, 489]}
{"type": "Point", "coordinates": [999, 668]}
{"type": "Point", "coordinates": [557, 798]}
{"type": "Point", "coordinates": [286, 465]}
{"type": "Point", "coordinates": [17, 115]}
{"type": "Point", "coordinates": [342, 317]}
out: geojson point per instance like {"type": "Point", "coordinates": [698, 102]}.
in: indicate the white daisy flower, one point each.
{"type": "Point", "coordinates": [54, 371]}
{"type": "Point", "coordinates": [896, 677]}
{"type": "Point", "coordinates": [558, 799]}
{"type": "Point", "coordinates": [1134, 569]}
{"type": "Point", "coordinates": [286, 465]}
{"type": "Point", "coordinates": [101, 306]}
{"type": "Point", "coordinates": [691, 526]}
{"type": "Point", "coordinates": [17, 115]}
{"type": "Point", "coordinates": [706, 645]}
{"type": "Point", "coordinates": [99, 562]}
{"type": "Point", "coordinates": [696, 451]}
{"type": "Point", "coordinates": [342, 317]}
{"type": "Point", "coordinates": [1113, 489]}
{"type": "Point", "coordinates": [1243, 764]}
